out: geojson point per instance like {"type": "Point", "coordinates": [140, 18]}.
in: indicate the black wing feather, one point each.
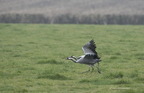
{"type": "Point", "coordinates": [91, 46]}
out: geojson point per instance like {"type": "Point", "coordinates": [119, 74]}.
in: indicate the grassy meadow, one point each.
{"type": "Point", "coordinates": [32, 58]}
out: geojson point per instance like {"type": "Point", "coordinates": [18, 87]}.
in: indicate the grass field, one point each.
{"type": "Point", "coordinates": [32, 58]}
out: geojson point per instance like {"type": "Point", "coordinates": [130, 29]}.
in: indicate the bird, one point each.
{"type": "Point", "coordinates": [89, 58]}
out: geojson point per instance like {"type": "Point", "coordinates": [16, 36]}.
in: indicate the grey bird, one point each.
{"type": "Point", "coordinates": [90, 57]}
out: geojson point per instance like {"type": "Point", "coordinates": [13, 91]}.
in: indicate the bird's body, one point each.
{"type": "Point", "coordinates": [90, 57]}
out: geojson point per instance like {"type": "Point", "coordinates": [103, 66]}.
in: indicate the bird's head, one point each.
{"type": "Point", "coordinates": [68, 58]}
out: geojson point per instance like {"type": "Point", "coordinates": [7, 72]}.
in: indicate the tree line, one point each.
{"type": "Point", "coordinates": [73, 19]}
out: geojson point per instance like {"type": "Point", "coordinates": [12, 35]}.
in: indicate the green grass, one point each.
{"type": "Point", "coordinates": [32, 58]}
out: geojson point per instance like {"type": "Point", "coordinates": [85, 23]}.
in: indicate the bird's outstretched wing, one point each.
{"type": "Point", "coordinates": [89, 48]}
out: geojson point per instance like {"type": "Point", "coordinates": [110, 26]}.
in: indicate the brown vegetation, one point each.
{"type": "Point", "coordinates": [72, 11]}
{"type": "Point", "coordinates": [72, 19]}
{"type": "Point", "coordinates": [56, 7]}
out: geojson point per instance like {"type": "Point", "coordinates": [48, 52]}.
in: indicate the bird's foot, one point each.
{"type": "Point", "coordinates": [99, 71]}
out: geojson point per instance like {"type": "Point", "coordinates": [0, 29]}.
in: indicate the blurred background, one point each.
{"type": "Point", "coordinates": [72, 11]}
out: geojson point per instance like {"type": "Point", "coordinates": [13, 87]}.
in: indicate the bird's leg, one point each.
{"type": "Point", "coordinates": [87, 70]}
{"type": "Point", "coordinates": [98, 68]}
{"type": "Point", "coordinates": [92, 69]}
{"type": "Point", "coordinates": [98, 64]}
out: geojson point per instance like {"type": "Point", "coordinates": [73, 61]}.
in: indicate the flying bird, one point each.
{"type": "Point", "coordinates": [89, 58]}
